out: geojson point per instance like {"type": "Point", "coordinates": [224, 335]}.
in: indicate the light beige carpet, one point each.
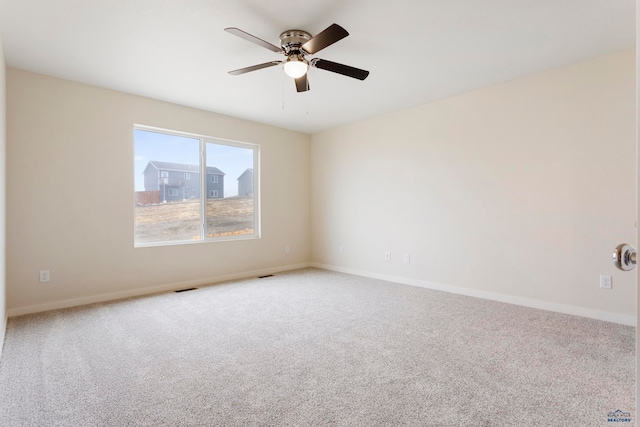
{"type": "Point", "coordinates": [313, 347]}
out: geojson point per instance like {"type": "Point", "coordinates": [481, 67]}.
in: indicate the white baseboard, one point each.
{"type": "Point", "coordinates": [55, 305]}
{"type": "Point", "coordinates": [525, 302]}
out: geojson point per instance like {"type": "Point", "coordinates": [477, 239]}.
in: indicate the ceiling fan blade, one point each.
{"type": "Point", "coordinates": [254, 68]}
{"type": "Point", "coordinates": [329, 36]}
{"type": "Point", "coordinates": [334, 67]}
{"type": "Point", "coordinates": [302, 83]}
{"type": "Point", "coordinates": [253, 39]}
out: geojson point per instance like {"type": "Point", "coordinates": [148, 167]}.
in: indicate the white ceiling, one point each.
{"type": "Point", "coordinates": [416, 50]}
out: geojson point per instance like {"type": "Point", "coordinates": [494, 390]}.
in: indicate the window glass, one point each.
{"type": "Point", "coordinates": [230, 211]}
{"type": "Point", "coordinates": [171, 168]}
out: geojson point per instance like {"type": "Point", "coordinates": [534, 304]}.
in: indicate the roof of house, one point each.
{"type": "Point", "coordinates": [181, 167]}
{"type": "Point", "coordinates": [249, 170]}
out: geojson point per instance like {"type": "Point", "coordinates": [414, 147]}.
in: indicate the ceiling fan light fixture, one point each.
{"type": "Point", "coordinates": [295, 66]}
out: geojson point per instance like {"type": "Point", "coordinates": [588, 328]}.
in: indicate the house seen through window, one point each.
{"type": "Point", "coordinates": [172, 169]}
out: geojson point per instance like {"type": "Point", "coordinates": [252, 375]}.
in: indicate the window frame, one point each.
{"type": "Point", "coordinates": [204, 140]}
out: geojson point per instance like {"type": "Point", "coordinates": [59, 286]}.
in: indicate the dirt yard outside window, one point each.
{"type": "Point", "coordinates": [166, 222]}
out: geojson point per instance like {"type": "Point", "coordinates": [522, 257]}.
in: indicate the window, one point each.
{"type": "Point", "coordinates": [185, 206]}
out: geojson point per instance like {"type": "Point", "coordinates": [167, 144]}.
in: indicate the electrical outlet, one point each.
{"type": "Point", "coordinates": [387, 256]}
{"type": "Point", "coordinates": [287, 249]}
{"type": "Point", "coordinates": [406, 258]}
{"type": "Point", "coordinates": [341, 250]}
{"type": "Point", "coordinates": [44, 276]}
{"type": "Point", "coordinates": [605, 281]}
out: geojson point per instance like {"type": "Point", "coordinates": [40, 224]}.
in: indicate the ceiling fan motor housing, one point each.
{"type": "Point", "coordinates": [292, 40]}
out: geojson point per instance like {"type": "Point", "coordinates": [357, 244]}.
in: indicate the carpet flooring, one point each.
{"type": "Point", "coordinates": [313, 348]}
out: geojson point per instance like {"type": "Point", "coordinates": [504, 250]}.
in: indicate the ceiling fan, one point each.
{"type": "Point", "coordinates": [295, 45]}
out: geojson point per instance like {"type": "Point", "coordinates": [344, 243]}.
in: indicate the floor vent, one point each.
{"type": "Point", "coordinates": [268, 275]}
{"type": "Point", "coordinates": [185, 290]}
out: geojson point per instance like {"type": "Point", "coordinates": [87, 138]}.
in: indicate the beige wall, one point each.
{"type": "Point", "coordinates": [517, 192]}
{"type": "Point", "coordinates": [70, 191]}
{"type": "Point", "coordinates": [3, 307]}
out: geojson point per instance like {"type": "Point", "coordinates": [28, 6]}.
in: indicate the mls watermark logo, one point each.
{"type": "Point", "coordinates": [618, 416]}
